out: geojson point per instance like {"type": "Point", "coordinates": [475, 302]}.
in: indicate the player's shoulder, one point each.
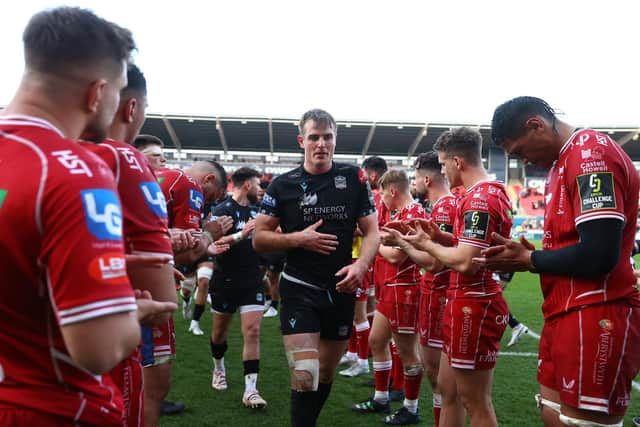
{"type": "Point", "coordinates": [347, 170]}
{"type": "Point", "coordinates": [225, 206]}
{"type": "Point", "coordinates": [589, 144]}
{"type": "Point", "coordinates": [294, 175]}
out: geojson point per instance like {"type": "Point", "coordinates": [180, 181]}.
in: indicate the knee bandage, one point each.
{"type": "Point", "coordinates": [541, 401]}
{"type": "Point", "coordinates": [188, 284]}
{"type": "Point", "coordinates": [413, 370]}
{"type": "Point", "coordinates": [299, 361]}
{"type": "Point", "coordinates": [204, 273]}
{"type": "Point", "coordinates": [569, 421]}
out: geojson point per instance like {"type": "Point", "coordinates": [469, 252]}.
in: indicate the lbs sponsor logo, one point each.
{"type": "Point", "coordinates": [103, 215]}
{"type": "Point", "coordinates": [110, 268]}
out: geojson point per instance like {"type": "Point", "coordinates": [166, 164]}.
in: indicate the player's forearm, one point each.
{"type": "Point", "coordinates": [422, 258]}
{"type": "Point", "coordinates": [452, 257]}
{"type": "Point", "coordinates": [369, 247]}
{"type": "Point", "coordinates": [271, 241]}
{"type": "Point", "coordinates": [393, 255]}
{"type": "Point", "coordinates": [445, 239]}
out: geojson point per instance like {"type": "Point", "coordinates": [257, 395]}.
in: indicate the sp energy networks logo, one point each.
{"type": "Point", "coordinates": [102, 212]}
{"type": "Point", "coordinates": [154, 197]}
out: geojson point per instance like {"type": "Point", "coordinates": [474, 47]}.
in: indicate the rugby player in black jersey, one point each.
{"type": "Point", "coordinates": [237, 286]}
{"type": "Point", "coordinates": [318, 206]}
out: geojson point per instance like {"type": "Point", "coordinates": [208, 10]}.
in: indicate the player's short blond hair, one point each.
{"type": "Point", "coordinates": [396, 177]}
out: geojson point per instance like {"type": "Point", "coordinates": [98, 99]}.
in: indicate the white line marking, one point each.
{"type": "Point", "coordinates": [512, 353]}
{"type": "Point", "coordinates": [635, 385]}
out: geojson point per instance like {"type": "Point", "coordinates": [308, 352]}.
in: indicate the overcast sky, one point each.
{"type": "Point", "coordinates": [424, 61]}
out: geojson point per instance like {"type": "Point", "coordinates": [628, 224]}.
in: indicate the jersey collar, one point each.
{"type": "Point", "coordinates": [31, 121]}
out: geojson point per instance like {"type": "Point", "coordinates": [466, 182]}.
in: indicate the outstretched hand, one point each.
{"type": "Point", "coordinates": [353, 275]}
{"type": "Point", "coordinates": [150, 311]}
{"type": "Point", "coordinates": [508, 256]}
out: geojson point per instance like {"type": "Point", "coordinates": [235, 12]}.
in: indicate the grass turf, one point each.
{"type": "Point", "coordinates": [513, 390]}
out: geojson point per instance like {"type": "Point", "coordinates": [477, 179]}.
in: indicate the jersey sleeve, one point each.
{"type": "Point", "coordinates": [82, 251]}
{"type": "Point", "coordinates": [271, 205]}
{"type": "Point", "coordinates": [477, 222]}
{"type": "Point", "coordinates": [188, 203]}
{"type": "Point", "coordinates": [366, 203]}
{"type": "Point", "coordinates": [596, 177]}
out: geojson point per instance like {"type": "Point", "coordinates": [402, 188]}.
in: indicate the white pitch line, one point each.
{"type": "Point", "coordinates": [635, 385]}
{"type": "Point", "coordinates": [512, 353]}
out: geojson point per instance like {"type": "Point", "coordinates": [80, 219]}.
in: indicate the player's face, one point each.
{"type": "Point", "coordinates": [319, 144]}
{"type": "Point", "coordinates": [421, 185]}
{"type": "Point", "coordinates": [254, 187]}
{"type": "Point", "coordinates": [372, 177]}
{"type": "Point", "coordinates": [212, 188]}
{"type": "Point", "coordinates": [107, 96]}
{"type": "Point", "coordinates": [387, 195]}
{"type": "Point", "coordinates": [450, 169]}
{"type": "Point", "coordinates": [531, 148]}
{"type": "Point", "coordinates": [156, 158]}
{"type": "Point", "coordinates": [139, 116]}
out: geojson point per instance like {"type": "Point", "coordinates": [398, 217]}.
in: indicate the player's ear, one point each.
{"type": "Point", "coordinates": [534, 123]}
{"type": "Point", "coordinates": [128, 112]}
{"type": "Point", "coordinates": [301, 141]}
{"type": "Point", "coordinates": [94, 95]}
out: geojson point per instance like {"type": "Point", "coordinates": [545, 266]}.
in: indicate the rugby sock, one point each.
{"type": "Point", "coordinates": [353, 342]}
{"type": "Point", "coordinates": [362, 333]}
{"type": "Point", "coordinates": [185, 298]}
{"type": "Point", "coordinates": [513, 322]}
{"type": "Point", "coordinates": [412, 383]}
{"type": "Point", "coordinates": [197, 312]}
{"type": "Point", "coordinates": [381, 373]}
{"type": "Point", "coordinates": [274, 304]}
{"type": "Point", "coordinates": [437, 406]}
{"type": "Point", "coordinates": [397, 372]}
{"type": "Point", "coordinates": [304, 408]}
{"type": "Point", "coordinates": [323, 394]}
{"type": "Point", "coordinates": [251, 369]}
{"type": "Point", "coordinates": [217, 353]}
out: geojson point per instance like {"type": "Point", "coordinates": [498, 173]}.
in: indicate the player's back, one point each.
{"type": "Point", "coordinates": [61, 260]}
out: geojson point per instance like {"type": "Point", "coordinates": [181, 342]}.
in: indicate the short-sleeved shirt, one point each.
{"type": "Point", "coordinates": [484, 209]}
{"type": "Point", "coordinates": [241, 263]}
{"type": "Point", "coordinates": [443, 213]}
{"type": "Point", "coordinates": [407, 272]}
{"type": "Point", "coordinates": [185, 200]}
{"type": "Point", "coordinates": [144, 206]}
{"type": "Point", "coordinates": [339, 197]}
{"type": "Point", "coordinates": [592, 179]}
{"type": "Point", "coordinates": [61, 262]}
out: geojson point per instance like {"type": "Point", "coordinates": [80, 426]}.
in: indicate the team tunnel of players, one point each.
{"type": "Point", "coordinates": [107, 243]}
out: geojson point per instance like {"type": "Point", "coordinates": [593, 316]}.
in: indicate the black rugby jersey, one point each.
{"type": "Point", "coordinates": [338, 197]}
{"type": "Point", "coordinates": [241, 261]}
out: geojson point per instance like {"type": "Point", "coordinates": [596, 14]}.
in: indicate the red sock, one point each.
{"type": "Point", "coordinates": [437, 401]}
{"type": "Point", "coordinates": [363, 340]}
{"type": "Point", "coordinates": [381, 372]}
{"type": "Point", "coordinates": [397, 372]}
{"type": "Point", "coordinates": [353, 341]}
{"type": "Point", "coordinates": [412, 385]}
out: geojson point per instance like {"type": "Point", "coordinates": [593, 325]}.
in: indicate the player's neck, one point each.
{"type": "Point", "coordinates": [402, 202]}
{"type": "Point", "coordinates": [240, 198]}
{"type": "Point", "coordinates": [118, 132]}
{"type": "Point", "coordinates": [317, 169]}
{"type": "Point", "coordinates": [437, 193]}
{"type": "Point", "coordinates": [474, 175]}
{"type": "Point", "coordinates": [30, 101]}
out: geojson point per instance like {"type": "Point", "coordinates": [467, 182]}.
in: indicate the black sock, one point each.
{"type": "Point", "coordinates": [304, 408]}
{"type": "Point", "coordinates": [251, 366]}
{"type": "Point", "coordinates": [186, 299]}
{"type": "Point", "coordinates": [217, 350]}
{"type": "Point", "coordinates": [274, 304]}
{"type": "Point", "coordinates": [197, 312]}
{"type": "Point", "coordinates": [513, 322]}
{"type": "Point", "coordinates": [323, 394]}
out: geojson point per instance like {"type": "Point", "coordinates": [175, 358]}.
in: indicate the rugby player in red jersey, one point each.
{"type": "Point", "coordinates": [476, 314]}
{"type": "Point", "coordinates": [62, 229]}
{"type": "Point", "coordinates": [591, 303]}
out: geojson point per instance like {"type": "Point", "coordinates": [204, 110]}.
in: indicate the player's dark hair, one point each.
{"type": "Point", "coordinates": [375, 163]}
{"type": "Point", "coordinates": [464, 142]}
{"type": "Point", "coordinates": [319, 117]}
{"type": "Point", "coordinates": [56, 39]}
{"type": "Point", "coordinates": [240, 176]}
{"type": "Point", "coordinates": [428, 162]}
{"type": "Point", "coordinates": [222, 174]}
{"type": "Point", "coordinates": [264, 184]}
{"type": "Point", "coordinates": [136, 82]}
{"type": "Point", "coordinates": [142, 141]}
{"type": "Point", "coordinates": [509, 119]}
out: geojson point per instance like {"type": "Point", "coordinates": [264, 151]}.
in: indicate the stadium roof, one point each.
{"type": "Point", "coordinates": [251, 136]}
